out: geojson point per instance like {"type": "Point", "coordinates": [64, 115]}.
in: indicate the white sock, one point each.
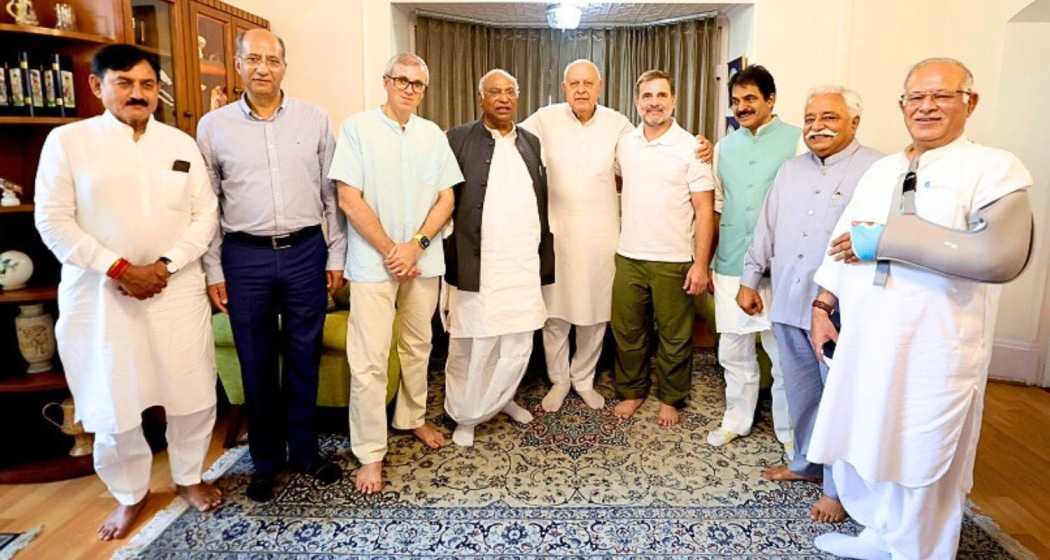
{"type": "Point", "coordinates": [517, 413]}
{"type": "Point", "coordinates": [845, 546]}
{"type": "Point", "coordinates": [592, 398]}
{"type": "Point", "coordinates": [555, 397]}
{"type": "Point", "coordinates": [463, 435]}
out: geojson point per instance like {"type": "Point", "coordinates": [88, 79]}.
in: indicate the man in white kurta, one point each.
{"type": "Point", "coordinates": [901, 414]}
{"type": "Point", "coordinates": [491, 327]}
{"type": "Point", "coordinates": [124, 203]}
{"type": "Point", "coordinates": [579, 140]}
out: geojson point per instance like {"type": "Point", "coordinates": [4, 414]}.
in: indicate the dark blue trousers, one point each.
{"type": "Point", "coordinates": [277, 303]}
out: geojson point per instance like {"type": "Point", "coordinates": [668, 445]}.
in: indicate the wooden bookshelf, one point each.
{"type": "Point", "coordinates": [50, 33]}
{"type": "Point", "coordinates": [48, 470]}
{"type": "Point", "coordinates": [20, 209]}
{"type": "Point", "coordinates": [38, 121]}
{"type": "Point", "coordinates": [29, 294]}
{"type": "Point", "coordinates": [33, 382]}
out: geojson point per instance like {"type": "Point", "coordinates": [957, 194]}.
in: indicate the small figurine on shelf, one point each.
{"type": "Point", "coordinates": [10, 193]}
{"type": "Point", "coordinates": [23, 12]}
{"type": "Point", "coordinates": [65, 17]}
{"type": "Point", "coordinates": [218, 98]}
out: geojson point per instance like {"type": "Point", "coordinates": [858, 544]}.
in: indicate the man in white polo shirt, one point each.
{"type": "Point", "coordinates": [664, 255]}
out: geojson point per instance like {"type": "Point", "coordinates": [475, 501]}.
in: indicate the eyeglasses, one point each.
{"type": "Point", "coordinates": [509, 92]}
{"type": "Point", "coordinates": [940, 97]}
{"type": "Point", "coordinates": [252, 61]}
{"type": "Point", "coordinates": [403, 83]}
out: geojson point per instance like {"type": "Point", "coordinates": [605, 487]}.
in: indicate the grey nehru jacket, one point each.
{"type": "Point", "coordinates": [794, 228]}
{"type": "Point", "coordinates": [271, 175]}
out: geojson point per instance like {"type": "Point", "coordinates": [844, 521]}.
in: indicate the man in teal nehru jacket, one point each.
{"type": "Point", "coordinates": [745, 163]}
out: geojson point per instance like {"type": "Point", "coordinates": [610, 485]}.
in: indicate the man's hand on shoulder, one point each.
{"type": "Point", "coordinates": [706, 150]}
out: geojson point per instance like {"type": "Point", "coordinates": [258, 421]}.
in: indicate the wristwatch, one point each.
{"type": "Point", "coordinates": [172, 269]}
{"type": "Point", "coordinates": [423, 240]}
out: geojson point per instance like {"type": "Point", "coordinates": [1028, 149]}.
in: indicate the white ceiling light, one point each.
{"type": "Point", "coordinates": [564, 15]}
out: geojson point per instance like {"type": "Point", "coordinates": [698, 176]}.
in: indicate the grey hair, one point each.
{"type": "Point", "coordinates": [241, 46]}
{"type": "Point", "coordinates": [967, 84]}
{"type": "Point", "coordinates": [406, 59]}
{"type": "Point", "coordinates": [494, 72]}
{"type": "Point", "coordinates": [852, 98]}
{"type": "Point", "coordinates": [565, 74]}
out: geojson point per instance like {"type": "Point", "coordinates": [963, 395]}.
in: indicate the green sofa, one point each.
{"type": "Point", "coordinates": [334, 376]}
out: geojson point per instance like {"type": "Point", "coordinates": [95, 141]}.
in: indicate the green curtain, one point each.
{"type": "Point", "coordinates": [458, 54]}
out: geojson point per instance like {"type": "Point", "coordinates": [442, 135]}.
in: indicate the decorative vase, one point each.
{"type": "Point", "coordinates": [35, 331]}
{"type": "Point", "coordinates": [15, 269]}
{"type": "Point", "coordinates": [82, 441]}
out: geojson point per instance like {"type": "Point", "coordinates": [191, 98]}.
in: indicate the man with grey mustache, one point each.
{"type": "Point", "coordinates": [799, 213]}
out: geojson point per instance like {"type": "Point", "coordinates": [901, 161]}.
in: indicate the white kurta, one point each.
{"type": "Point", "coordinates": [509, 299]}
{"type": "Point", "coordinates": [584, 208]}
{"type": "Point", "coordinates": [101, 195]}
{"type": "Point", "coordinates": [491, 329]}
{"type": "Point", "coordinates": [912, 358]}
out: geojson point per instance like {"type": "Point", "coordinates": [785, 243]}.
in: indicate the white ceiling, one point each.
{"type": "Point", "coordinates": [534, 13]}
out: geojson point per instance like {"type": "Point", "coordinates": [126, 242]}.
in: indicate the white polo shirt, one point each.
{"type": "Point", "coordinates": [659, 177]}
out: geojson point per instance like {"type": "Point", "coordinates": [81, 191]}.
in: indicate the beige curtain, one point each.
{"type": "Point", "coordinates": [460, 53]}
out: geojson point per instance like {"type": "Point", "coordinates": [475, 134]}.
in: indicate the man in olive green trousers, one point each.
{"type": "Point", "coordinates": [664, 254]}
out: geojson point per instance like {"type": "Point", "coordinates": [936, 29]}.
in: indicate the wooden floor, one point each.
{"type": "Point", "coordinates": [1011, 486]}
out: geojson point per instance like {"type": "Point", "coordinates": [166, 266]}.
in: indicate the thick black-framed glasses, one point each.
{"type": "Point", "coordinates": [401, 82]}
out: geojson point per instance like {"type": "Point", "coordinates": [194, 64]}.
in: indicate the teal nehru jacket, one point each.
{"type": "Point", "coordinates": [746, 167]}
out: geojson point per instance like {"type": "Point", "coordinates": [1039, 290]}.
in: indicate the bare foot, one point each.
{"type": "Point", "coordinates": [430, 436]}
{"type": "Point", "coordinates": [119, 521]}
{"type": "Point", "coordinates": [626, 408]}
{"type": "Point", "coordinates": [783, 473]}
{"type": "Point", "coordinates": [203, 496]}
{"type": "Point", "coordinates": [369, 478]}
{"type": "Point", "coordinates": [827, 510]}
{"type": "Point", "coordinates": [668, 416]}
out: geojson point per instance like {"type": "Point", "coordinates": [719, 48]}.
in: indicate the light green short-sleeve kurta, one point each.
{"type": "Point", "coordinates": [400, 172]}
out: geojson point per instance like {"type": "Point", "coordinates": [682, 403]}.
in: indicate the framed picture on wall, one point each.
{"type": "Point", "coordinates": [732, 67]}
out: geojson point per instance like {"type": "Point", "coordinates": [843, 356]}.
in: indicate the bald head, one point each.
{"type": "Point", "coordinates": [260, 64]}
{"type": "Point", "coordinates": [938, 99]}
{"type": "Point", "coordinates": [581, 85]}
{"type": "Point", "coordinates": [259, 35]}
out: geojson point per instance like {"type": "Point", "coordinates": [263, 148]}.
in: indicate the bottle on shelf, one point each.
{"type": "Point", "coordinates": [17, 83]}
{"type": "Point", "coordinates": [53, 86]}
{"type": "Point", "coordinates": [5, 97]}
{"type": "Point", "coordinates": [69, 98]}
{"type": "Point", "coordinates": [35, 83]}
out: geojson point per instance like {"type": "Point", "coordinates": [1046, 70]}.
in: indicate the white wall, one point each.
{"type": "Point", "coordinates": [325, 50]}
{"type": "Point", "coordinates": [338, 49]}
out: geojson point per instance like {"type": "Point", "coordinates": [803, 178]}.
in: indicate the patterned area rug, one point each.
{"type": "Point", "coordinates": [573, 484]}
{"type": "Point", "coordinates": [13, 543]}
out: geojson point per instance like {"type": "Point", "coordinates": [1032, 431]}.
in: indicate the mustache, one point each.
{"type": "Point", "coordinates": [137, 102]}
{"type": "Point", "coordinates": [822, 132]}
{"type": "Point", "coordinates": [743, 113]}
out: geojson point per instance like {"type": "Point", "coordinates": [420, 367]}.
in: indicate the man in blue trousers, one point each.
{"type": "Point", "coordinates": [805, 201]}
{"type": "Point", "coordinates": [269, 265]}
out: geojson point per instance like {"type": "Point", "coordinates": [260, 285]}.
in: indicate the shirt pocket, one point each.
{"type": "Point", "coordinates": [941, 205]}
{"type": "Point", "coordinates": [836, 206]}
{"type": "Point", "coordinates": [175, 190]}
